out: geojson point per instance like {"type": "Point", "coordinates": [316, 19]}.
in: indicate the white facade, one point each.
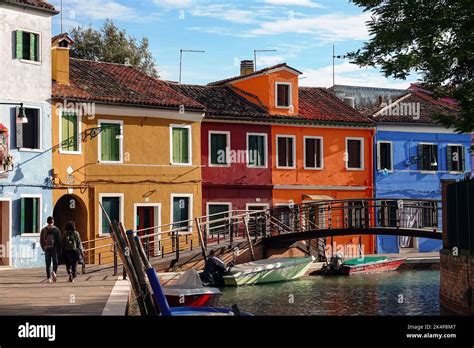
{"type": "Point", "coordinates": [28, 82]}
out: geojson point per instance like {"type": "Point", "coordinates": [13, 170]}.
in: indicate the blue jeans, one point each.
{"type": "Point", "coordinates": [51, 256]}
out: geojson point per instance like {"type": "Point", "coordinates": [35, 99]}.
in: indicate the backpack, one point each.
{"type": "Point", "coordinates": [70, 242]}
{"type": "Point", "coordinates": [49, 241]}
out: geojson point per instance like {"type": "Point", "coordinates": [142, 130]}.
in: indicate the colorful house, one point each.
{"type": "Point", "coordinates": [236, 150]}
{"type": "Point", "coordinates": [25, 124]}
{"type": "Point", "coordinates": [413, 155]}
{"type": "Point", "coordinates": [126, 141]}
{"type": "Point", "coordinates": [309, 145]}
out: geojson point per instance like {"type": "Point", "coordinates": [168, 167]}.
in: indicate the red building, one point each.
{"type": "Point", "coordinates": [236, 150]}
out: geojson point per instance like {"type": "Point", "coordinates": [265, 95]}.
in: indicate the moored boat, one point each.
{"type": "Point", "coordinates": [268, 271]}
{"type": "Point", "coordinates": [189, 291]}
{"type": "Point", "coordinates": [370, 264]}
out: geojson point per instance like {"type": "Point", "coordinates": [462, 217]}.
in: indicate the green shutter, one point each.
{"type": "Point", "coordinates": [22, 215]}
{"type": "Point", "coordinates": [19, 44]}
{"type": "Point", "coordinates": [253, 148]}
{"type": "Point", "coordinates": [449, 158]}
{"type": "Point", "coordinates": [35, 215]}
{"type": "Point", "coordinates": [69, 139]}
{"type": "Point", "coordinates": [421, 160]}
{"type": "Point", "coordinates": [110, 143]}
{"type": "Point", "coordinates": [180, 143]}
{"type": "Point", "coordinates": [33, 45]}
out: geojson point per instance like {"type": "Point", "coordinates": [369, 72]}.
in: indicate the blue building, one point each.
{"type": "Point", "coordinates": [413, 155]}
{"type": "Point", "coordinates": [25, 130]}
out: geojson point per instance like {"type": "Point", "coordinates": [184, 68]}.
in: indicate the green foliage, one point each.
{"type": "Point", "coordinates": [113, 45]}
{"type": "Point", "coordinates": [432, 37]}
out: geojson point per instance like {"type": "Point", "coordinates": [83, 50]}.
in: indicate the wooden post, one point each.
{"type": "Point", "coordinates": [127, 263]}
{"type": "Point", "coordinates": [247, 234]}
{"type": "Point", "coordinates": [201, 241]}
{"type": "Point", "coordinates": [137, 262]}
{"type": "Point", "coordinates": [115, 260]}
{"type": "Point", "coordinates": [177, 245]}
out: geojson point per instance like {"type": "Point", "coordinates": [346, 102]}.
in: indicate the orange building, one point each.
{"type": "Point", "coordinates": [125, 140]}
{"type": "Point", "coordinates": [321, 147]}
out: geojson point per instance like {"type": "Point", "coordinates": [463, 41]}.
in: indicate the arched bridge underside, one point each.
{"type": "Point", "coordinates": [286, 239]}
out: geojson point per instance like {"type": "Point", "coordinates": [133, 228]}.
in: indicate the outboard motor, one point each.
{"type": "Point", "coordinates": [336, 262]}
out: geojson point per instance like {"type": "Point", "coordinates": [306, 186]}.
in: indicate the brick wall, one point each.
{"type": "Point", "coordinates": [456, 284]}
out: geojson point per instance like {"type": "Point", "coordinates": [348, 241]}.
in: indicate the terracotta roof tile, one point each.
{"type": "Point", "coordinates": [258, 72]}
{"type": "Point", "coordinates": [320, 105]}
{"type": "Point", "coordinates": [428, 107]}
{"type": "Point", "coordinates": [118, 84]}
{"type": "Point", "coordinates": [39, 4]}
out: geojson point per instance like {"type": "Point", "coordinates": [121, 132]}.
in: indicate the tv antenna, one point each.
{"type": "Point", "coordinates": [255, 56]}
{"type": "Point", "coordinates": [181, 59]}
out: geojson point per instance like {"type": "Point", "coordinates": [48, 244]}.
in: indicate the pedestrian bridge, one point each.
{"type": "Point", "coordinates": [282, 226]}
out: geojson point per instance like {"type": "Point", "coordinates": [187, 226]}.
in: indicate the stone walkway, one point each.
{"type": "Point", "coordinates": [26, 292]}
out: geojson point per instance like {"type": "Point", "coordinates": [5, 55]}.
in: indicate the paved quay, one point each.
{"type": "Point", "coordinates": [27, 292]}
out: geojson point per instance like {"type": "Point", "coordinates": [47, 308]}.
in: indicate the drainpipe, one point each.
{"type": "Point", "coordinates": [372, 176]}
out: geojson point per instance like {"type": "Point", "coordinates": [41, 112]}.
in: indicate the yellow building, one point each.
{"type": "Point", "coordinates": [125, 140]}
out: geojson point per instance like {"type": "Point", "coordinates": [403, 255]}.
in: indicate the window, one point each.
{"type": "Point", "coordinates": [285, 151]}
{"type": "Point", "coordinates": [27, 46]}
{"type": "Point", "coordinates": [69, 132]}
{"type": "Point", "coordinates": [354, 153]}
{"type": "Point", "coordinates": [313, 153]}
{"type": "Point", "coordinates": [180, 145]}
{"type": "Point", "coordinates": [111, 141]}
{"type": "Point", "coordinates": [455, 158]}
{"type": "Point", "coordinates": [429, 215]}
{"type": "Point", "coordinates": [181, 212]}
{"type": "Point", "coordinates": [112, 204]}
{"type": "Point", "coordinates": [385, 157]}
{"type": "Point", "coordinates": [358, 215]}
{"type": "Point", "coordinates": [28, 134]}
{"type": "Point", "coordinates": [217, 211]}
{"type": "Point", "coordinates": [283, 95]}
{"type": "Point", "coordinates": [388, 214]}
{"type": "Point", "coordinates": [30, 215]}
{"type": "Point", "coordinates": [257, 150]}
{"type": "Point", "coordinates": [219, 146]}
{"type": "Point", "coordinates": [428, 157]}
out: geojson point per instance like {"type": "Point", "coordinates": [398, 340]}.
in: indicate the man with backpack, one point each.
{"type": "Point", "coordinates": [50, 241]}
{"type": "Point", "coordinates": [71, 249]}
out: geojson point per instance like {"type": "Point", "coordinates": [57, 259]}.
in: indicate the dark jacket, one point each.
{"type": "Point", "coordinates": [56, 234]}
{"type": "Point", "coordinates": [77, 240]}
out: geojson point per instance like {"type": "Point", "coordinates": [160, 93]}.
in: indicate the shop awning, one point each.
{"type": "Point", "coordinates": [316, 198]}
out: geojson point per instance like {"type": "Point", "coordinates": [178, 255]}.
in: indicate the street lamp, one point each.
{"type": "Point", "coordinates": [21, 117]}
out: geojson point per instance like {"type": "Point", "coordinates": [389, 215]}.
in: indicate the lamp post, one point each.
{"type": "Point", "coordinates": [21, 117]}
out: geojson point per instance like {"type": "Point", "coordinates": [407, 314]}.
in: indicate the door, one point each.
{"type": "Point", "coordinates": [5, 230]}
{"type": "Point", "coordinates": [146, 223]}
{"type": "Point", "coordinates": [257, 221]}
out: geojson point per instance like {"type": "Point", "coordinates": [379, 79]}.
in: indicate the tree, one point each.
{"type": "Point", "coordinates": [432, 37]}
{"type": "Point", "coordinates": [112, 44]}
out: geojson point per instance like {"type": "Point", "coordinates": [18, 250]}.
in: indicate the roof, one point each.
{"type": "Point", "coordinates": [118, 84]}
{"type": "Point", "coordinates": [258, 72]}
{"type": "Point", "coordinates": [398, 111]}
{"type": "Point", "coordinates": [36, 4]}
{"type": "Point", "coordinates": [319, 104]}
{"type": "Point", "coordinates": [63, 36]}
{"type": "Point", "coordinates": [221, 101]}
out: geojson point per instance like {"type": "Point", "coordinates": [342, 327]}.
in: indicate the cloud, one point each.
{"type": "Point", "coordinates": [263, 61]}
{"type": "Point", "coordinates": [301, 3]}
{"type": "Point", "coordinates": [174, 3]}
{"type": "Point", "coordinates": [227, 13]}
{"type": "Point", "coordinates": [328, 27]}
{"type": "Point", "coordinates": [350, 74]}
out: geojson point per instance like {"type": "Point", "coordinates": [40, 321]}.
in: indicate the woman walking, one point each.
{"type": "Point", "coordinates": [72, 249]}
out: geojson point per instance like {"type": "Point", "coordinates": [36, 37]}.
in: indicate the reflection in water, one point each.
{"type": "Point", "coordinates": [387, 293]}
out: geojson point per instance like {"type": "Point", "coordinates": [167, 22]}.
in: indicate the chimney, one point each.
{"type": "Point", "coordinates": [60, 58]}
{"type": "Point", "coordinates": [350, 101]}
{"type": "Point", "coordinates": [246, 67]}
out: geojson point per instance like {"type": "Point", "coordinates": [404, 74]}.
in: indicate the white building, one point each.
{"type": "Point", "coordinates": [25, 78]}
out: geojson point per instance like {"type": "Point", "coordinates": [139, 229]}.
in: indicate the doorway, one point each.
{"type": "Point", "coordinates": [5, 231]}
{"type": "Point", "coordinates": [257, 224]}
{"type": "Point", "coordinates": [147, 221]}
{"type": "Point", "coordinates": [71, 208]}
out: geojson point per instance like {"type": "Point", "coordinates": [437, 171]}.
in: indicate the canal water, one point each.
{"type": "Point", "coordinates": [386, 293]}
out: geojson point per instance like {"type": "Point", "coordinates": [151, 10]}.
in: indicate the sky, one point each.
{"type": "Point", "coordinates": [302, 32]}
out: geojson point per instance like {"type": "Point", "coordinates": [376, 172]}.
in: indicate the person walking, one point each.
{"type": "Point", "coordinates": [72, 249]}
{"type": "Point", "coordinates": [50, 241]}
